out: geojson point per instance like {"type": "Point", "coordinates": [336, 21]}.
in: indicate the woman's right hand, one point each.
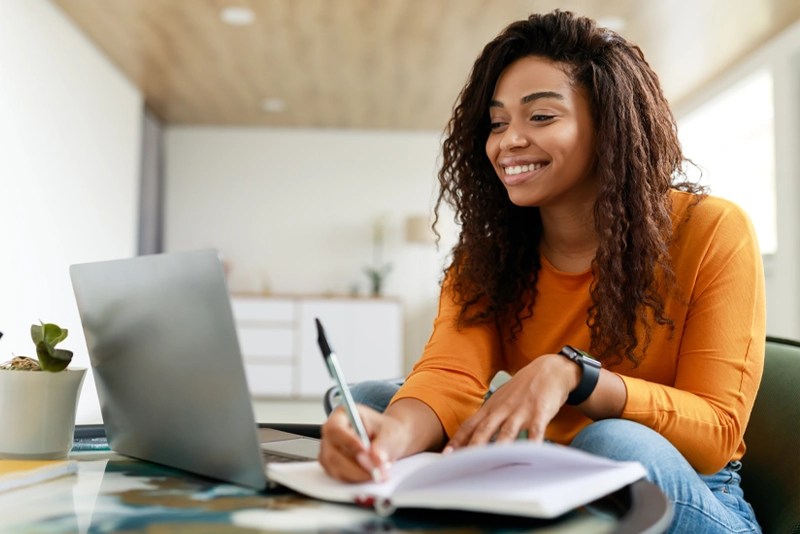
{"type": "Point", "coordinates": [345, 458]}
{"type": "Point", "coordinates": [408, 426]}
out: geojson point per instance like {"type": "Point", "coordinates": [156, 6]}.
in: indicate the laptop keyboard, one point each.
{"type": "Point", "coordinates": [272, 457]}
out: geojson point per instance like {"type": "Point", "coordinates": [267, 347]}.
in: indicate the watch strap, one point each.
{"type": "Point", "coordinates": [589, 376]}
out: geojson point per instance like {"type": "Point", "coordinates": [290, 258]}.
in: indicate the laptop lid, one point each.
{"type": "Point", "coordinates": [167, 366]}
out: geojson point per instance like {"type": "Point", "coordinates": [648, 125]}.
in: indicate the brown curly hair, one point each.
{"type": "Point", "coordinates": [495, 262]}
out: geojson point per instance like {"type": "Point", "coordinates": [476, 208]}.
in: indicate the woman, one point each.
{"type": "Point", "coordinates": [579, 230]}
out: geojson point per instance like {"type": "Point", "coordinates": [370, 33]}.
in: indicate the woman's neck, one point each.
{"type": "Point", "coordinates": [569, 240]}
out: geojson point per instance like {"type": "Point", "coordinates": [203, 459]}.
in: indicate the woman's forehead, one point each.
{"type": "Point", "coordinates": [534, 74]}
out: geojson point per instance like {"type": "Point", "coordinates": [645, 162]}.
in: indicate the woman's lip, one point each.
{"type": "Point", "coordinates": [516, 179]}
{"type": "Point", "coordinates": [513, 162]}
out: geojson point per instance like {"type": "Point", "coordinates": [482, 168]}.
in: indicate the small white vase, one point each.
{"type": "Point", "coordinates": [37, 413]}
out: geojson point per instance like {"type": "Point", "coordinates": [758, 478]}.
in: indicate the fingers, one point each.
{"type": "Point", "coordinates": [534, 431]}
{"type": "Point", "coordinates": [486, 430]}
{"type": "Point", "coordinates": [508, 432]}
{"type": "Point", "coordinates": [501, 420]}
{"type": "Point", "coordinates": [376, 461]}
{"type": "Point", "coordinates": [487, 424]}
{"type": "Point", "coordinates": [343, 455]}
{"type": "Point", "coordinates": [340, 448]}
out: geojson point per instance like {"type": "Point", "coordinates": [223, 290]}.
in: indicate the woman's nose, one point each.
{"type": "Point", "coordinates": [514, 137]}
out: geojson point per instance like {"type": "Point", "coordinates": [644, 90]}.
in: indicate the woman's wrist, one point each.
{"type": "Point", "coordinates": [568, 372]}
{"type": "Point", "coordinates": [418, 425]}
{"type": "Point", "coordinates": [590, 374]}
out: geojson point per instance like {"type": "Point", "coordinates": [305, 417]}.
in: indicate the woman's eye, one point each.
{"type": "Point", "coordinates": [541, 118]}
{"type": "Point", "coordinates": [496, 125]}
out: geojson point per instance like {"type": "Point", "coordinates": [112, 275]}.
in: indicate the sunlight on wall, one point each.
{"type": "Point", "coordinates": [70, 128]}
{"type": "Point", "coordinates": [732, 139]}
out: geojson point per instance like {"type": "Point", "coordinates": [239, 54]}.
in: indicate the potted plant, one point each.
{"type": "Point", "coordinates": [379, 270]}
{"type": "Point", "coordinates": [38, 399]}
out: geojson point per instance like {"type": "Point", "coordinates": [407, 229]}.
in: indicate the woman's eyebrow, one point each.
{"type": "Point", "coordinates": [530, 98]}
{"type": "Point", "coordinates": [541, 94]}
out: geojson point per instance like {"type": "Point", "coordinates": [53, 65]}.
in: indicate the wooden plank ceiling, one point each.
{"type": "Point", "coordinates": [379, 64]}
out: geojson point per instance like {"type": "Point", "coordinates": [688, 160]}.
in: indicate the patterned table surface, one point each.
{"type": "Point", "coordinates": [112, 493]}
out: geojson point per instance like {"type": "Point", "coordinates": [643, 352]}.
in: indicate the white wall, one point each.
{"type": "Point", "coordinates": [69, 132]}
{"type": "Point", "coordinates": [292, 211]}
{"type": "Point", "coordinates": [782, 269]}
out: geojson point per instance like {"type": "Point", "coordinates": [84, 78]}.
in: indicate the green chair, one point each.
{"type": "Point", "coordinates": [771, 465]}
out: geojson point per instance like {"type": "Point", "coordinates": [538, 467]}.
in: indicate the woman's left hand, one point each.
{"type": "Point", "coordinates": [527, 402]}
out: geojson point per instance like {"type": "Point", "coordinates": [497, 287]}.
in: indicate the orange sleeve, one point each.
{"type": "Point", "coordinates": [456, 368]}
{"type": "Point", "coordinates": [721, 353]}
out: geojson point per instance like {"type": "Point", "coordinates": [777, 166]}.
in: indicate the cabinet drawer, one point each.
{"type": "Point", "coordinates": [263, 310]}
{"type": "Point", "coordinates": [269, 380]}
{"type": "Point", "coordinates": [367, 336]}
{"type": "Point", "coordinates": [262, 342]}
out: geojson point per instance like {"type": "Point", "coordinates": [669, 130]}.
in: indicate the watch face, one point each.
{"type": "Point", "coordinates": [578, 356]}
{"type": "Point", "coordinates": [570, 352]}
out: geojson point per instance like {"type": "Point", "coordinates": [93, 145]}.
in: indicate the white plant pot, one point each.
{"type": "Point", "coordinates": [37, 413]}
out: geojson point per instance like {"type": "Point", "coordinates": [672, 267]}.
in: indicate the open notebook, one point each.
{"type": "Point", "coordinates": [521, 478]}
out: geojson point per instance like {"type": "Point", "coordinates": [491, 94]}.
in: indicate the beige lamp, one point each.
{"type": "Point", "coordinates": [418, 230]}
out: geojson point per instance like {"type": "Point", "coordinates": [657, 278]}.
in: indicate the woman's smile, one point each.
{"type": "Point", "coordinates": [519, 174]}
{"type": "Point", "coordinates": [541, 141]}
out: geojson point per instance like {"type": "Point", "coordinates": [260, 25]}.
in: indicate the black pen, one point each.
{"type": "Point", "coordinates": [349, 404]}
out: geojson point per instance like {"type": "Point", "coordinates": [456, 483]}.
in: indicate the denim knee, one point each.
{"type": "Point", "coordinates": [375, 393]}
{"type": "Point", "coordinates": [620, 439]}
{"type": "Point", "coordinates": [624, 440]}
{"type": "Point", "coordinates": [697, 508]}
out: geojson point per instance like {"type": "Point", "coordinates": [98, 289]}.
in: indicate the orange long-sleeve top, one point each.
{"type": "Point", "coordinates": [697, 382]}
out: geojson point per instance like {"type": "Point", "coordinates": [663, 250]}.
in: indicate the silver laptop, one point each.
{"type": "Point", "coordinates": [168, 370]}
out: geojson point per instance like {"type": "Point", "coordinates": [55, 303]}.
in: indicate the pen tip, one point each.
{"type": "Point", "coordinates": [323, 343]}
{"type": "Point", "coordinates": [320, 330]}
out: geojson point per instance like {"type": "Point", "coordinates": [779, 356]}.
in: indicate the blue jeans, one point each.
{"type": "Point", "coordinates": [701, 503]}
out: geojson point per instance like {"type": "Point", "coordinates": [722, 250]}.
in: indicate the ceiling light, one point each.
{"type": "Point", "coordinates": [273, 105]}
{"type": "Point", "coordinates": [237, 16]}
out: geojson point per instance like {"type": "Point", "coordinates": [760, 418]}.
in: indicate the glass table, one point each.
{"type": "Point", "coordinates": [112, 493]}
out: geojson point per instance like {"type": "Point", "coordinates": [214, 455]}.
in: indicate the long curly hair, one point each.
{"type": "Point", "coordinates": [495, 262]}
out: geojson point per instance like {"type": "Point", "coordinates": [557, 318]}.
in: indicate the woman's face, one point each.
{"type": "Point", "coordinates": [542, 138]}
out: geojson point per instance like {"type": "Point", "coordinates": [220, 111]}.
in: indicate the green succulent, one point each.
{"type": "Point", "coordinates": [45, 336]}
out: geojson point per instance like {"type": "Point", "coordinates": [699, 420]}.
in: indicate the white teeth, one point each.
{"type": "Point", "coordinates": [518, 169]}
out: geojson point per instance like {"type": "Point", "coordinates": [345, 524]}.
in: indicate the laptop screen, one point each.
{"type": "Point", "coordinates": [165, 357]}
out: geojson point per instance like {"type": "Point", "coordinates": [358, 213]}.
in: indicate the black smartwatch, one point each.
{"type": "Point", "coordinates": [589, 377]}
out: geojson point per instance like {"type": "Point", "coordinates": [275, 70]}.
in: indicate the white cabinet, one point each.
{"type": "Point", "coordinates": [278, 339]}
{"type": "Point", "coordinates": [365, 334]}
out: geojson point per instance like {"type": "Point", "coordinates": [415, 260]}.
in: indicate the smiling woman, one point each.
{"type": "Point", "coordinates": [541, 142]}
{"type": "Point", "coordinates": [627, 304]}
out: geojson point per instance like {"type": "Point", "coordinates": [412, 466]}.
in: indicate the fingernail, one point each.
{"type": "Point", "coordinates": [382, 470]}
{"type": "Point", "coordinates": [384, 458]}
{"type": "Point", "coordinates": [364, 461]}
{"type": "Point", "coordinates": [377, 475]}
{"type": "Point", "coordinates": [447, 450]}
